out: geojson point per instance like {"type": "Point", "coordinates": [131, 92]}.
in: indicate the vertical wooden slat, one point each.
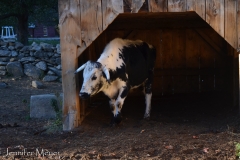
{"type": "Point", "coordinates": [201, 8]}
{"type": "Point", "coordinates": [215, 15]}
{"type": "Point", "coordinates": [132, 6]}
{"type": "Point", "coordinates": [70, 40]}
{"type": "Point", "coordinates": [231, 22]}
{"type": "Point", "coordinates": [91, 20]}
{"type": "Point", "coordinates": [176, 5]}
{"type": "Point", "coordinates": [111, 9]}
{"type": "Point", "coordinates": [238, 23]}
{"type": "Point", "coordinates": [157, 5]}
{"type": "Point", "coordinates": [191, 5]}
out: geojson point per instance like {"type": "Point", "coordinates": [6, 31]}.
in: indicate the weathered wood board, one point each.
{"type": "Point", "coordinates": [215, 15]}
{"type": "Point", "coordinates": [69, 18]}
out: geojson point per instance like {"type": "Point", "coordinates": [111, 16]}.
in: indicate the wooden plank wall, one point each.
{"type": "Point", "coordinates": [82, 21]}
{"type": "Point", "coordinates": [186, 61]}
{"type": "Point", "coordinates": [96, 15]}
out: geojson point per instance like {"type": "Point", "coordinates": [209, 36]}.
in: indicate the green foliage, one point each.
{"type": "Point", "coordinates": [19, 13]}
{"type": "Point", "coordinates": [237, 149]}
{"type": "Point", "coordinates": [55, 125]}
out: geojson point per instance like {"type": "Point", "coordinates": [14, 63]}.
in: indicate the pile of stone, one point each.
{"type": "Point", "coordinates": [39, 61]}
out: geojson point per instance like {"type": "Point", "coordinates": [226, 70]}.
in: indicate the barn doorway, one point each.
{"type": "Point", "coordinates": [194, 68]}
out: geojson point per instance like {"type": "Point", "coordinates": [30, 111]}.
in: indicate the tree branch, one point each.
{"type": "Point", "coordinates": [8, 15]}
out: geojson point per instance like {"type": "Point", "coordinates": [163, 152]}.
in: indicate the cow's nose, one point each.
{"type": "Point", "coordinates": [84, 95]}
{"type": "Point", "coordinates": [118, 118]}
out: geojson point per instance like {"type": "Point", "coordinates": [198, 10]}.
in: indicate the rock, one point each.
{"type": "Point", "coordinates": [4, 59]}
{"type": "Point", "coordinates": [15, 69]}
{"type": "Point", "coordinates": [20, 56]}
{"type": "Point", "coordinates": [18, 45]}
{"type": "Point", "coordinates": [42, 65]}
{"type": "Point", "coordinates": [3, 73]}
{"type": "Point", "coordinates": [58, 61]}
{"type": "Point", "coordinates": [46, 47]}
{"type": "Point", "coordinates": [49, 78]}
{"type": "Point", "coordinates": [11, 48]}
{"type": "Point", "coordinates": [41, 54]}
{"type": "Point", "coordinates": [3, 85]}
{"type": "Point", "coordinates": [32, 71]}
{"type": "Point", "coordinates": [37, 84]}
{"type": "Point", "coordinates": [3, 63]}
{"type": "Point", "coordinates": [59, 67]}
{"type": "Point", "coordinates": [2, 68]}
{"type": "Point", "coordinates": [4, 53]}
{"type": "Point", "coordinates": [29, 59]}
{"type": "Point", "coordinates": [13, 59]}
{"type": "Point", "coordinates": [14, 53]}
{"type": "Point", "coordinates": [41, 106]}
{"type": "Point", "coordinates": [56, 71]}
{"type": "Point", "coordinates": [58, 48]}
{"type": "Point", "coordinates": [25, 49]}
{"type": "Point", "coordinates": [35, 47]}
{"type": "Point", "coordinates": [50, 73]}
{"type": "Point", "coordinates": [50, 54]}
{"type": "Point", "coordinates": [2, 43]}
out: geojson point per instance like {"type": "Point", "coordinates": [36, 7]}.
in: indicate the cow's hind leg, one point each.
{"type": "Point", "coordinates": [148, 94]}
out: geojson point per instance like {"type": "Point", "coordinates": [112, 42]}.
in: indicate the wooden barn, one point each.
{"type": "Point", "coordinates": [197, 44]}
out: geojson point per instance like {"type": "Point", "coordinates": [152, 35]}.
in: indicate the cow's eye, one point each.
{"type": "Point", "coordinates": [94, 78]}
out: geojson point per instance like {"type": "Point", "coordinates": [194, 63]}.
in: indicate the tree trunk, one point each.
{"type": "Point", "coordinates": [22, 32]}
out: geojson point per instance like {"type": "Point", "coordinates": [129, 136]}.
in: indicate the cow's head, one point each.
{"type": "Point", "coordinates": [92, 74]}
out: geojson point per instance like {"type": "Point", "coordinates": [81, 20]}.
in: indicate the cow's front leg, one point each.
{"type": "Point", "coordinates": [148, 94]}
{"type": "Point", "coordinates": [117, 116]}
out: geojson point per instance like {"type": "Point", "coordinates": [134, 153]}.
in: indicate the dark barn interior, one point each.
{"type": "Point", "coordinates": [193, 73]}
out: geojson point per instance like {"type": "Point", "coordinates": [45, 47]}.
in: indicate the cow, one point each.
{"type": "Point", "coordinates": [123, 65]}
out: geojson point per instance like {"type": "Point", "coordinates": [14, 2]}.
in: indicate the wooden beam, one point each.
{"type": "Point", "coordinates": [176, 6]}
{"type": "Point", "coordinates": [110, 10]}
{"type": "Point", "coordinates": [157, 5]}
{"type": "Point", "coordinates": [70, 40]}
{"type": "Point", "coordinates": [215, 15]}
{"type": "Point", "coordinates": [209, 41]}
{"type": "Point", "coordinates": [231, 22]}
{"type": "Point", "coordinates": [91, 21]}
{"type": "Point", "coordinates": [238, 24]}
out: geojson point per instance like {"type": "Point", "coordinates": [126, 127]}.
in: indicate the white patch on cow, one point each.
{"type": "Point", "coordinates": [112, 89]}
{"type": "Point", "coordinates": [110, 56]}
{"type": "Point", "coordinates": [90, 86]}
{"type": "Point", "coordinates": [148, 98]}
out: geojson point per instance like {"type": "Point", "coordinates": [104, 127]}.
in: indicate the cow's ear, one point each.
{"type": "Point", "coordinates": [106, 72]}
{"type": "Point", "coordinates": [80, 68]}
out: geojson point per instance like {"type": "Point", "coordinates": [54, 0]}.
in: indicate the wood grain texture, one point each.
{"type": "Point", "coordinates": [200, 8]}
{"type": "Point", "coordinates": [157, 5]}
{"type": "Point", "coordinates": [238, 24]}
{"type": "Point", "coordinates": [132, 6]}
{"type": "Point", "coordinates": [110, 10]}
{"type": "Point", "coordinates": [70, 13]}
{"type": "Point", "coordinates": [91, 20]}
{"type": "Point", "coordinates": [215, 15]}
{"type": "Point", "coordinates": [231, 22]}
{"type": "Point", "coordinates": [176, 5]}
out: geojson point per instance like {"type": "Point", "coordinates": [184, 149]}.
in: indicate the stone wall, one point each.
{"type": "Point", "coordinates": [39, 61]}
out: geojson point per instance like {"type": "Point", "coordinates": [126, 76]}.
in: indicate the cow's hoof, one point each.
{"type": "Point", "coordinates": [147, 118]}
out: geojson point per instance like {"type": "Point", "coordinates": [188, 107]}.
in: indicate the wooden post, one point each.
{"type": "Point", "coordinates": [69, 24]}
{"type": "Point", "coordinates": [231, 22]}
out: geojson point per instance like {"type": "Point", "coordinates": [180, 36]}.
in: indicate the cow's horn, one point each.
{"type": "Point", "coordinates": [105, 70]}
{"type": "Point", "coordinates": [80, 68]}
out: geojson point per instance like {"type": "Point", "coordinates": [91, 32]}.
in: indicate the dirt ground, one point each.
{"type": "Point", "coordinates": [196, 126]}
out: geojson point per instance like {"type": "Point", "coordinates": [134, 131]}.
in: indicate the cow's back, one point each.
{"type": "Point", "coordinates": [135, 58]}
{"type": "Point", "coordinates": [139, 59]}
